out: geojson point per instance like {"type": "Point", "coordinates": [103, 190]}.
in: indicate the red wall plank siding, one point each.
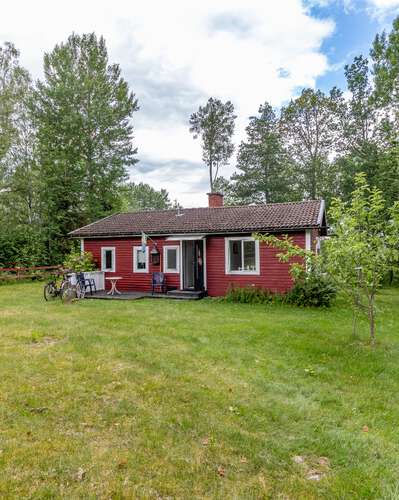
{"type": "Point", "coordinates": [131, 281]}
{"type": "Point", "coordinates": [274, 275]}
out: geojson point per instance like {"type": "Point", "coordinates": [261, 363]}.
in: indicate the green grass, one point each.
{"type": "Point", "coordinates": [169, 399]}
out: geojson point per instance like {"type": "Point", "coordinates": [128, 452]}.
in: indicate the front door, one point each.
{"type": "Point", "coordinates": [193, 264]}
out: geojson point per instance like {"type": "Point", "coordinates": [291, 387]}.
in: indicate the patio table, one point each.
{"type": "Point", "coordinates": [114, 281]}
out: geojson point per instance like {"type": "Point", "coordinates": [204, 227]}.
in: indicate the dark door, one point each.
{"type": "Point", "coordinates": [199, 265]}
{"type": "Point", "coordinates": [193, 265]}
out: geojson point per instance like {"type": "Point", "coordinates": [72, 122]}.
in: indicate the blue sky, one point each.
{"type": "Point", "coordinates": [175, 54]}
{"type": "Point", "coordinates": [357, 24]}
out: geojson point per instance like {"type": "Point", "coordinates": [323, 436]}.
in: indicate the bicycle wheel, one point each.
{"type": "Point", "coordinates": [68, 294]}
{"type": "Point", "coordinates": [80, 291]}
{"type": "Point", "coordinates": [50, 291]}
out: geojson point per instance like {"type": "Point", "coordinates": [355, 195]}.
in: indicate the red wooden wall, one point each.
{"type": "Point", "coordinates": [274, 274]}
{"type": "Point", "coordinates": [130, 281]}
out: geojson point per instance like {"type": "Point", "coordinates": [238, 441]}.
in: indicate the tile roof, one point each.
{"type": "Point", "coordinates": [268, 217]}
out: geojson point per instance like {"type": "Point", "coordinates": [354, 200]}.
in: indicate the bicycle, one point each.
{"type": "Point", "coordinates": [66, 291]}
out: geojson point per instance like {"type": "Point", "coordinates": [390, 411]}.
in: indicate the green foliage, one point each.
{"type": "Point", "coordinates": [214, 123]}
{"type": "Point", "coordinates": [250, 295]}
{"type": "Point", "coordinates": [78, 262]}
{"type": "Point", "coordinates": [264, 169]}
{"type": "Point", "coordinates": [83, 112]}
{"type": "Point", "coordinates": [364, 246]}
{"type": "Point", "coordinates": [312, 286]}
{"type": "Point", "coordinates": [14, 82]}
{"type": "Point", "coordinates": [21, 246]}
{"type": "Point", "coordinates": [314, 289]}
{"type": "Point", "coordinates": [310, 127]}
{"type": "Point", "coordinates": [142, 196]}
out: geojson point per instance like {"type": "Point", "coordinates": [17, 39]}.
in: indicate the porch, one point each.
{"type": "Point", "coordinates": [172, 294]}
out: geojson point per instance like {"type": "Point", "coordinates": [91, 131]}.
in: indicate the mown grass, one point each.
{"type": "Point", "coordinates": [170, 399]}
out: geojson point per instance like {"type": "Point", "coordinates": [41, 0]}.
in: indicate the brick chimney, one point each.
{"type": "Point", "coordinates": [215, 200]}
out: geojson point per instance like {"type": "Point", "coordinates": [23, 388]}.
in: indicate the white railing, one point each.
{"type": "Point", "coordinates": [98, 277]}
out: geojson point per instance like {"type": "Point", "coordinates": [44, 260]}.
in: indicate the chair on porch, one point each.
{"type": "Point", "coordinates": [86, 282]}
{"type": "Point", "coordinates": [158, 282]}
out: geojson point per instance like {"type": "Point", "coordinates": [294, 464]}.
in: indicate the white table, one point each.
{"type": "Point", "coordinates": [114, 281]}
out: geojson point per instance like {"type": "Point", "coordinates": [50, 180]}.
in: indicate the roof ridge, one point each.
{"type": "Point", "coordinates": [224, 207]}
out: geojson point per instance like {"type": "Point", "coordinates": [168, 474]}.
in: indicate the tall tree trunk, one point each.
{"type": "Point", "coordinates": [354, 323]}
{"type": "Point", "coordinates": [371, 317]}
{"type": "Point", "coordinates": [313, 179]}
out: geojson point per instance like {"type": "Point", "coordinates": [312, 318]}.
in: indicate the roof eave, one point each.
{"type": "Point", "coordinates": [75, 235]}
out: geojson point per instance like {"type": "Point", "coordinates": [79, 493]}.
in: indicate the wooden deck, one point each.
{"type": "Point", "coordinates": [173, 294]}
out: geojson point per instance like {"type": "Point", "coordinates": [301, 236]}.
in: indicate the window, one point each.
{"type": "Point", "coordinates": [108, 259]}
{"type": "Point", "coordinates": [171, 259]}
{"type": "Point", "coordinates": [242, 256]}
{"type": "Point", "coordinates": [140, 260]}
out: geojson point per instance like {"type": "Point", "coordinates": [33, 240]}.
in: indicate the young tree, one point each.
{"type": "Point", "coordinates": [364, 246]}
{"type": "Point", "coordinates": [265, 173]}
{"type": "Point", "coordinates": [83, 113]}
{"type": "Point", "coordinates": [214, 123]}
{"type": "Point", "coordinates": [310, 127]}
{"type": "Point", "coordinates": [142, 196]}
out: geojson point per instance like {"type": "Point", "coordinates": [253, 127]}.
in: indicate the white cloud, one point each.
{"type": "Point", "coordinates": [382, 9]}
{"type": "Point", "coordinates": [176, 54]}
{"type": "Point", "coordinates": [384, 4]}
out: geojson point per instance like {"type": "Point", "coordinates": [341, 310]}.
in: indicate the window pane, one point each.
{"type": "Point", "coordinates": [171, 258]}
{"type": "Point", "coordinates": [141, 260]}
{"type": "Point", "coordinates": [108, 259]}
{"type": "Point", "coordinates": [249, 256]}
{"type": "Point", "coordinates": [235, 255]}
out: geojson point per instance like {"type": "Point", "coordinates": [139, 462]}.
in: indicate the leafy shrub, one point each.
{"type": "Point", "coordinates": [78, 262]}
{"type": "Point", "coordinates": [250, 295]}
{"type": "Point", "coordinates": [312, 290]}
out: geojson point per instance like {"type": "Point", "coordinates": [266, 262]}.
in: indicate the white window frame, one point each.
{"type": "Point", "coordinates": [227, 255]}
{"type": "Point", "coordinates": [103, 260]}
{"type": "Point", "coordinates": [135, 269]}
{"type": "Point", "coordinates": [167, 269]}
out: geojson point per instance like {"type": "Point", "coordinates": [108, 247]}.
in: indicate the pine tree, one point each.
{"type": "Point", "coordinates": [264, 169]}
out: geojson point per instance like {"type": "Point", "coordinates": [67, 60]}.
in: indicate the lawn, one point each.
{"type": "Point", "coordinates": [173, 399]}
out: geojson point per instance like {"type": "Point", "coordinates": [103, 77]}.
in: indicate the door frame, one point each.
{"type": "Point", "coordinates": [203, 239]}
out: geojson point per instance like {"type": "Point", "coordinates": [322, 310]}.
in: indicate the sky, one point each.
{"type": "Point", "coordinates": [176, 54]}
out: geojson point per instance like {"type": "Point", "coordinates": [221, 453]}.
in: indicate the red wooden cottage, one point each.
{"type": "Point", "coordinates": [202, 249]}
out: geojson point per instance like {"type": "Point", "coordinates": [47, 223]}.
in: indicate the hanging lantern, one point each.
{"type": "Point", "coordinates": [155, 256]}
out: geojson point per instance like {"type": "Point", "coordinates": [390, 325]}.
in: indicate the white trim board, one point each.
{"type": "Point", "coordinates": [244, 272]}
{"type": "Point", "coordinates": [167, 270]}
{"type": "Point", "coordinates": [135, 268]}
{"type": "Point", "coordinates": [103, 261]}
{"type": "Point", "coordinates": [308, 239]}
{"type": "Point", "coordinates": [182, 237]}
